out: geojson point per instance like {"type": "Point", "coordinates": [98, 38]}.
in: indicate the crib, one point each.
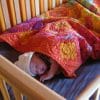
{"type": "Point", "coordinates": [13, 12]}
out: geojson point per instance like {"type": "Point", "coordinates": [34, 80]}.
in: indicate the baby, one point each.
{"type": "Point", "coordinates": [38, 64]}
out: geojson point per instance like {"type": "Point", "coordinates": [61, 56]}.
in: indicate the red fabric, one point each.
{"type": "Point", "coordinates": [60, 39]}
{"type": "Point", "coordinates": [97, 2]}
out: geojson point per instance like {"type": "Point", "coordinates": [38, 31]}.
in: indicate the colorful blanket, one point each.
{"type": "Point", "coordinates": [68, 37]}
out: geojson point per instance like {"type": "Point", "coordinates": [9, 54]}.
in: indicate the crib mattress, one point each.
{"type": "Point", "coordinates": [67, 87]}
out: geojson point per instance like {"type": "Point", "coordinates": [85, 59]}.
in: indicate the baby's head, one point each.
{"type": "Point", "coordinates": [37, 65]}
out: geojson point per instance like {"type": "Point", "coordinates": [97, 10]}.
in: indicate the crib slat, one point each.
{"type": "Point", "coordinates": [6, 14]}
{"type": "Point", "coordinates": [46, 5]}
{"type": "Point", "coordinates": [57, 2]}
{"type": "Point", "coordinates": [33, 11]}
{"type": "Point", "coordinates": [11, 10]}
{"type": "Point", "coordinates": [97, 96]}
{"type": "Point", "coordinates": [90, 89]}
{"type": "Point", "coordinates": [17, 94]}
{"type": "Point", "coordinates": [17, 10]}
{"type": "Point", "coordinates": [41, 6]}
{"type": "Point", "coordinates": [4, 90]}
{"type": "Point", "coordinates": [28, 10]}
{"type": "Point", "coordinates": [2, 21]}
{"type": "Point", "coordinates": [23, 10]}
{"type": "Point", "coordinates": [49, 4]}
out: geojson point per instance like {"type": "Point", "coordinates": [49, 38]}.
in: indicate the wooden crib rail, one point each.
{"type": "Point", "coordinates": [92, 89]}
{"type": "Point", "coordinates": [13, 12]}
{"type": "Point", "coordinates": [22, 83]}
{"type": "Point", "coordinates": [3, 89]}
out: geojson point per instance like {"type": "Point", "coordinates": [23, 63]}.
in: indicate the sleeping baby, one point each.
{"type": "Point", "coordinates": [38, 64]}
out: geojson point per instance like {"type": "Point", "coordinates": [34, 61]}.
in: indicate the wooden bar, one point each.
{"type": "Point", "coordinates": [25, 83]}
{"type": "Point", "coordinates": [37, 7]}
{"type": "Point", "coordinates": [4, 89]}
{"type": "Point", "coordinates": [28, 9]}
{"type": "Point", "coordinates": [23, 10]}
{"type": "Point", "coordinates": [49, 4]}
{"type": "Point", "coordinates": [57, 2]}
{"type": "Point", "coordinates": [11, 10]}
{"type": "Point", "coordinates": [97, 94]}
{"type": "Point", "coordinates": [33, 10]}
{"type": "Point", "coordinates": [17, 10]}
{"type": "Point", "coordinates": [2, 21]}
{"type": "Point", "coordinates": [17, 94]}
{"type": "Point", "coordinates": [90, 89]}
{"type": "Point", "coordinates": [6, 13]}
{"type": "Point", "coordinates": [41, 6]}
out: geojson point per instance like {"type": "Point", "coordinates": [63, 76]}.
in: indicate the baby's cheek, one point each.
{"type": "Point", "coordinates": [33, 70]}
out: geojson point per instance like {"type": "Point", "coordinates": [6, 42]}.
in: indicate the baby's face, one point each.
{"type": "Point", "coordinates": [37, 66]}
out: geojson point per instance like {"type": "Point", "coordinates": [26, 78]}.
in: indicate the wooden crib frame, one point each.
{"type": "Point", "coordinates": [13, 12]}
